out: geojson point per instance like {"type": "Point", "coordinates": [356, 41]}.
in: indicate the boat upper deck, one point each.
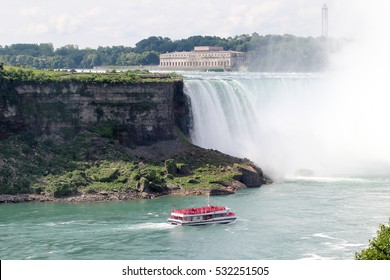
{"type": "Point", "coordinates": [199, 210]}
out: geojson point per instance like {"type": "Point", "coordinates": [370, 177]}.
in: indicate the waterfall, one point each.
{"type": "Point", "coordinates": [290, 125]}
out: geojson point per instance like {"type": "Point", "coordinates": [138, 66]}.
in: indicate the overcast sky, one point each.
{"type": "Point", "coordinates": [92, 23]}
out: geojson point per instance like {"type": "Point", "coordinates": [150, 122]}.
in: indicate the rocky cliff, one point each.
{"type": "Point", "coordinates": [133, 113]}
{"type": "Point", "coordinates": [105, 137]}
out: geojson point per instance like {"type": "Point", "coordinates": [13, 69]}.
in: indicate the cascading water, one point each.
{"type": "Point", "coordinates": [288, 124]}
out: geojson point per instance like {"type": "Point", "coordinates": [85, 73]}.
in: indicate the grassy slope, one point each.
{"type": "Point", "coordinates": [89, 163]}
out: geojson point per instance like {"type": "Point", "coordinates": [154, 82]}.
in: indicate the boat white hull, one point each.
{"type": "Point", "coordinates": [226, 220]}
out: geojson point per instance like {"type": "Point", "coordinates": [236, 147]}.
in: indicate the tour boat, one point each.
{"type": "Point", "coordinates": [201, 216]}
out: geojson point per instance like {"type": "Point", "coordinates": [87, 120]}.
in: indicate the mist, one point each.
{"type": "Point", "coordinates": [341, 127]}
{"type": "Point", "coordinates": [330, 124]}
{"type": "Point", "coordinates": [353, 130]}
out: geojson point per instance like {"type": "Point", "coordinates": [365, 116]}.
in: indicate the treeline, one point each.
{"type": "Point", "coordinates": [264, 53]}
{"type": "Point", "coordinates": [44, 56]}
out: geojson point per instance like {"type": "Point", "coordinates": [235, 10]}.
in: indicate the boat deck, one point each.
{"type": "Point", "coordinates": [202, 216]}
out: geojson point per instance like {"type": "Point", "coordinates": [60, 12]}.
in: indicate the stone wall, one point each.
{"type": "Point", "coordinates": [139, 113]}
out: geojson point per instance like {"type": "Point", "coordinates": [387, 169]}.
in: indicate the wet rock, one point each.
{"type": "Point", "coordinates": [251, 175]}
{"type": "Point", "coordinates": [237, 185]}
{"type": "Point", "coordinates": [222, 191]}
{"type": "Point", "coordinates": [143, 185]}
{"type": "Point", "coordinates": [141, 165]}
{"type": "Point", "coordinates": [145, 195]}
{"type": "Point", "coordinates": [25, 198]}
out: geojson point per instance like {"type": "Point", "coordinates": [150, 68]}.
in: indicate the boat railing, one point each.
{"type": "Point", "coordinates": [200, 210]}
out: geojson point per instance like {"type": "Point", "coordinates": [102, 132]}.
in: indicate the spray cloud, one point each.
{"type": "Point", "coordinates": [333, 125]}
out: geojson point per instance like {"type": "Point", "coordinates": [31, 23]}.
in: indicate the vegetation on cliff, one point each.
{"type": "Point", "coordinates": [88, 163]}
{"type": "Point", "coordinates": [379, 248]}
{"type": "Point", "coordinates": [17, 75]}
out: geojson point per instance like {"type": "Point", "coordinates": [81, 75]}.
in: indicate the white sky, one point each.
{"type": "Point", "coordinates": [92, 23]}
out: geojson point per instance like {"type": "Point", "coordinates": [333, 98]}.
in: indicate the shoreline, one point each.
{"type": "Point", "coordinates": [107, 196]}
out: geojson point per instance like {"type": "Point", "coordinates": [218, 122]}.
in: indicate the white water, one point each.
{"type": "Point", "coordinates": [292, 124]}
{"type": "Point", "coordinates": [335, 124]}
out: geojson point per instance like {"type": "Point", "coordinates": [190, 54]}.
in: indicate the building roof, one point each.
{"type": "Point", "coordinates": [202, 49]}
{"type": "Point", "coordinates": [207, 48]}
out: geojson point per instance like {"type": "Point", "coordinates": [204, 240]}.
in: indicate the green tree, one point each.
{"type": "Point", "coordinates": [22, 49]}
{"type": "Point", "coordinates": [379, 248]}
{"type": "Point", "coordinates": [46, 49]}
{"type": "Point", "coordinates": [91, 60]}
{"type": "Point", "coordinates": [129, 59]}
{"type": "Point", "coordinates": [154, 43]}
{"type": "Point", "coordinates": [66, 50]}
{"type": "Point", "coordinates": [150, 58]}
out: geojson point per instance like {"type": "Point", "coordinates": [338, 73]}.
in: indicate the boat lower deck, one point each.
{"type": "Point", "coordinates": [226, 220]}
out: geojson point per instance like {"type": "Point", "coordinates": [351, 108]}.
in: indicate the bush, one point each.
{"type": "Point", "coordinates": [106, 174]}
{"type": "Point", "coordinates": [79, 178]}
{"type": "Point", "coordinates": [379, 248]}
{"type": "Point", "coordinates": [60, 189]}
{"type": "Point", "coordinates": [152, 175]}
{"type": "Point", "coordinates": [170, 166]}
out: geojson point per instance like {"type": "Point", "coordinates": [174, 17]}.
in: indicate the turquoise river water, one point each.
{"type": "Point", "coordinates": [317, 218]}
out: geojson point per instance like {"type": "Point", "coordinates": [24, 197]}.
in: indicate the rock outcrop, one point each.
{"type": "Point", "coordinates": [133, 113]}
{"type": "Point", "coordinates": [251, 175]}
{"type": "Point", "coordinates": [74, 141]}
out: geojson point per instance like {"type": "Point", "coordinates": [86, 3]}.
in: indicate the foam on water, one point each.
{"type": "Point", "coordinates": [54, 224]}
{"type": "Point", "coordinates": [150, 214]}
{"type": "Point", "coordinates": [149, 226]}
{"type": "Point", "coordinates": [312, 256]}
{"type": "Point", "coordinates": [322, 235]}
{"type": "Point", "coordinates": [327, 179]}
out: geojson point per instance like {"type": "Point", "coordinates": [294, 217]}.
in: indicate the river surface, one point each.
{"type": "Point", "coordinates": [300, 218]}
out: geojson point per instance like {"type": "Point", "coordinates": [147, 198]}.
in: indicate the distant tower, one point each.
{"type": "Point", "coordinates": [324, 21]}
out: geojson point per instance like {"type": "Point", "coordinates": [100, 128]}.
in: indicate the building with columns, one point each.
{"type": "Point", "coordinates": [203, 58]}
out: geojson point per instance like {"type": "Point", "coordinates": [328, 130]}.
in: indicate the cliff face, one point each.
{"type": "Point", "coordinates": [138, 113]}
{"type": "Point", "coordinates": [69, 138]}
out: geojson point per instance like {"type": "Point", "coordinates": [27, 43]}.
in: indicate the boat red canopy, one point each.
{"type": "Point", "coordinates": [199, 210]}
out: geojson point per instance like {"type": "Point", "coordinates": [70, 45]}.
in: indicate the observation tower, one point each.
{"type": "Point", "coordinates": [324, 21]}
